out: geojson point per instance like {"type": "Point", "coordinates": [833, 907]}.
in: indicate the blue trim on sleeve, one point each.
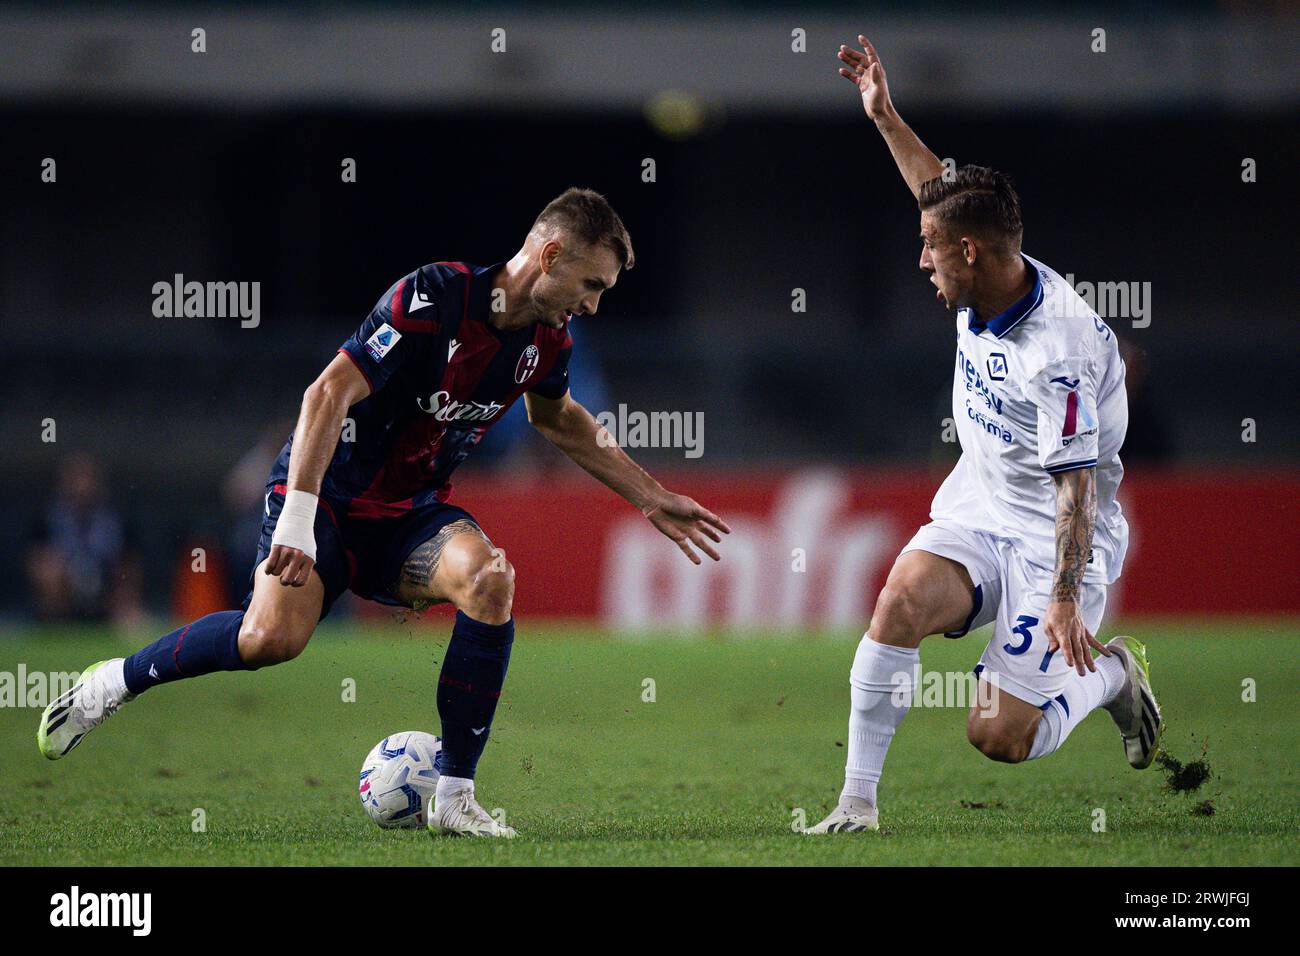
{"type": "Point", "coordinates": [1071, 466]}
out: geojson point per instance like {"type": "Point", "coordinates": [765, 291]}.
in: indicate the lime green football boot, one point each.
{"type": "Point", "coordinates": [93, 699]}
{"type": "Point", "coordinates": [1134, 708]}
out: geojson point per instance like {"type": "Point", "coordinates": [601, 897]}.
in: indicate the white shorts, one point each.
{"type": "Point", "coordinates": [1012, 594]}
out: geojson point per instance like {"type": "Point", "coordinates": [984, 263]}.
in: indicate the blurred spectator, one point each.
{"type": "Point", "coordinates": [79, 565]}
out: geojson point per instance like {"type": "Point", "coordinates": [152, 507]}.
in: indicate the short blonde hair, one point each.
{"type": "Point", "coordinates": [588, 216]}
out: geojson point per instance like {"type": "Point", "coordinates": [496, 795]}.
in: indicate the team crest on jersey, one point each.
{"type": "Point", "coordinates": [385, 338]}
{"type": "Point", "coordinates": [527, 364]}
{"type": "Point", "coordinates": [997, 367]}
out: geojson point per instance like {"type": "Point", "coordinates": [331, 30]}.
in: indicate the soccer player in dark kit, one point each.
{"type": "Point", "coordinates": [441, 357]}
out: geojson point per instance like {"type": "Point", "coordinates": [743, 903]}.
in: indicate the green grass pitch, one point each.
{"type": "Point", "coordinates": [742, 733]}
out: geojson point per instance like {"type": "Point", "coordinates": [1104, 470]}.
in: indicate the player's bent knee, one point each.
{"type": "Point", "coordinates": [898, 617]}
{"type": "Point", "coordinates": [261, 645]}
{"type": "Point", "coordinates": [994, 742]}
{"type": "Point", "coordinates": [490, 593]}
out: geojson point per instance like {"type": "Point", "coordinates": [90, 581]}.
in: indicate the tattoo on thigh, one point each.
{"type": "Point", "coordinates": [422, 563]}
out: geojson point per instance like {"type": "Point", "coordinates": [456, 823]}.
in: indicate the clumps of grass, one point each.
{"type": "Point", "coordinates": [989, 805]}
{"type": "Point", "coordinates": [1184, 777]}
{"type": "Point", "coordinates": [1204, 809]}
{"type": "Point", "coordinates": [405, 616]}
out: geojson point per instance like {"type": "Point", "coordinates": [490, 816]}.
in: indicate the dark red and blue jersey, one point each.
{"type": "Point", "coordinates": [440, 375]}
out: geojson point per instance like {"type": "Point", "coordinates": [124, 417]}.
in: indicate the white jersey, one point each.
{"type": "Point", "coordinates": [1038, 390]}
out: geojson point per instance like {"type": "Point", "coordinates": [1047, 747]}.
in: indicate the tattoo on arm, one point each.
{"type": "Point", "coordinates": [1076, 517]}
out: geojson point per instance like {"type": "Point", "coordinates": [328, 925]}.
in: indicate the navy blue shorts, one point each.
{"type": "Point", "coordinates": [364, 556]}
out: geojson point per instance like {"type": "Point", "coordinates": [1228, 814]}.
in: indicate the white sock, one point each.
{"type": "Point", "coordinates": [449, 785]}
{"type": "Point", "coordinates": [113, 679]}
{"type": "Point", "coordinates": [1048, 735]}
{"type": "Point", "coordinates": [1113, 676]}
{"type": "Point", "coordinates": [881, 684]}
{"type": "Point", "coordinates": [1081, 697]}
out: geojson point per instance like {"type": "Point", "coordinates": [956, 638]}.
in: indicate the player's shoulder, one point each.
{"type": "Point", "coordinates": [445, 273]}
{"type": "Point", "coordinates": [446, 279]}
{"type": "Point", "coordinates": [1062, 327]}
{"type": "Point", "coordinates": [422, 299]}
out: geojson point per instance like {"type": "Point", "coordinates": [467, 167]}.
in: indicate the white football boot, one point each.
{"type": "Point", "coordinates": [851, 816]}
{"type": "Point", "coordinates": [459, 814]}
{"type": "Point", "coordinates": [93, 699]}
{"type": "Point", "coordinates": [1134, 708]}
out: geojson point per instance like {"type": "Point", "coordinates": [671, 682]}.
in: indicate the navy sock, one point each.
{"type": "Point", "coordinates": [209, 644]}
{"type": "Point", "coordinates": [473, 673]}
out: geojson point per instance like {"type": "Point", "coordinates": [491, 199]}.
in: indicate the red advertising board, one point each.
{"type": "Point", "coordinates": [811, 548]}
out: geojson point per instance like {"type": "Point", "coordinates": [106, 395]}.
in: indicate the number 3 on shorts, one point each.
{"type": "Point", "coordinates": [1023, 623]}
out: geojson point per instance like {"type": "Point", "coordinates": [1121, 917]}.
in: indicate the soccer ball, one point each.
{"type": "Point", "coordinates": [398, 779]}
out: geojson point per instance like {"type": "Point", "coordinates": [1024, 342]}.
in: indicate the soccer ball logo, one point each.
{"type": "Point", "coordinates": [398, 779]}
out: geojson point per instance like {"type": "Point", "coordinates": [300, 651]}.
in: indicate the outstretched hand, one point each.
{"type": "Point", "coordinates": [864, 69]}
{"type": "Point", "coordinates": [687, 522]}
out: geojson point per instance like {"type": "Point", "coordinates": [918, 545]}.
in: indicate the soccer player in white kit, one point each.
{"type": "Point", "coordinates": [1026, 532]}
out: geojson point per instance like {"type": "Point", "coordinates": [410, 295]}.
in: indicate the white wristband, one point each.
{"type": "Point", "coordinates": [294, 528]}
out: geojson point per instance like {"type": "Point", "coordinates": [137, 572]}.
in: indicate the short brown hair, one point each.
{"type": "Point", "coordinates": [587, 214]}
{"type": "Point", "coordinates": [977, 201]}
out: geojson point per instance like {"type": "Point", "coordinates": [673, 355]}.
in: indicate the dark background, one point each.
{"type": "Point", "coordinates": [756, 202]}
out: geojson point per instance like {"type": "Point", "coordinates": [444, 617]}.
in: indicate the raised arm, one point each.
{"type": "Point", "coordinates": [1076, 517]}
{"type": "Point", "coordinates": [573, 430]}
{"type": "Point", "coordinates": [865, 71]}
{"type": "Point", "coordinates": [324, 406]}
